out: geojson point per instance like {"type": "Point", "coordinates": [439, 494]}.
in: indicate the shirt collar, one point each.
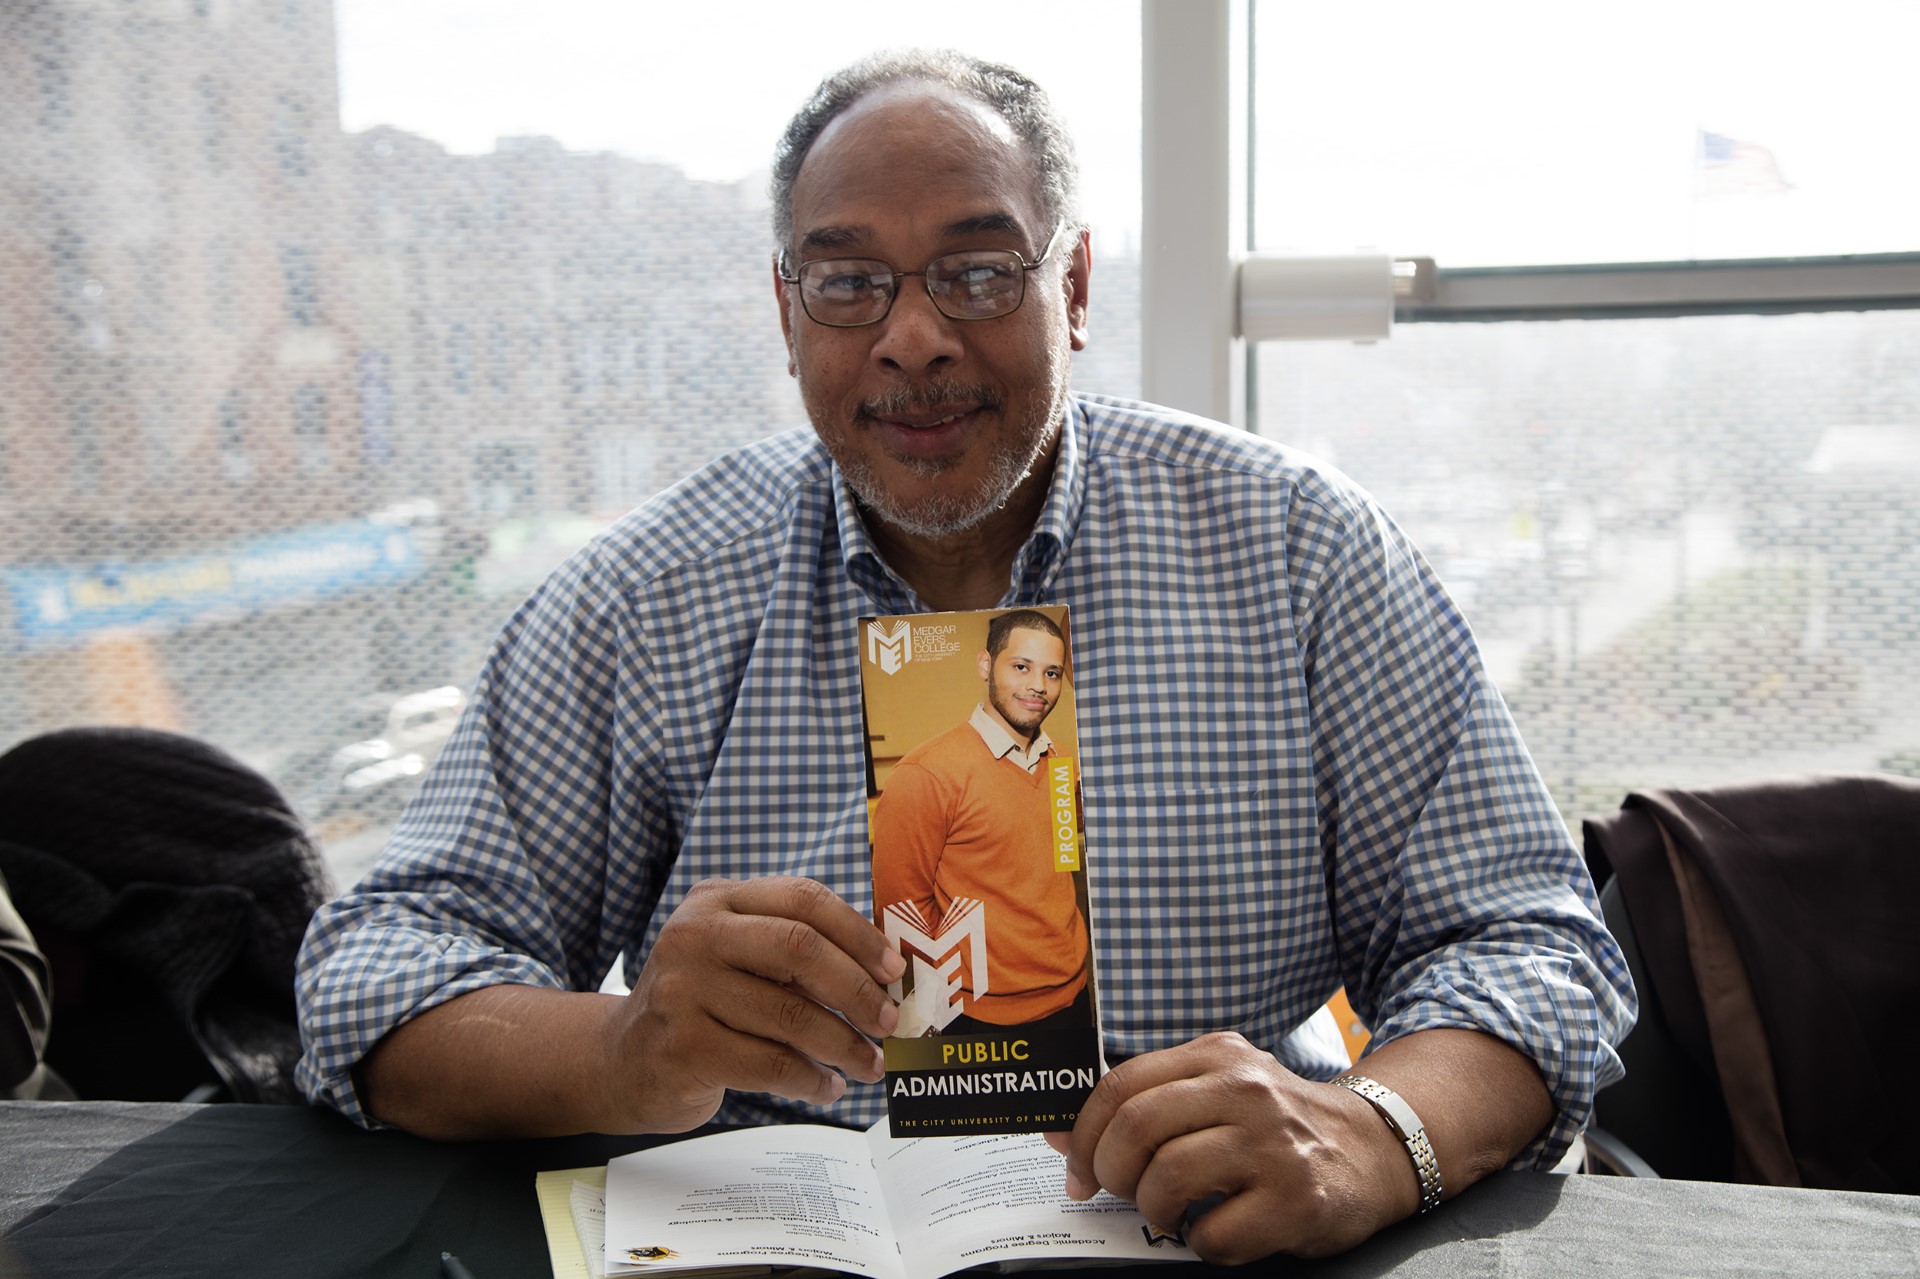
{"type": "Point", "coordinates": [1005, 745]}
{"type": "Point", "coordinates": [1035, 568]}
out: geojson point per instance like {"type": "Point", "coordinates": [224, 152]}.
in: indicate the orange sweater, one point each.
{"type": "Point", "coordinates": [954, 821]}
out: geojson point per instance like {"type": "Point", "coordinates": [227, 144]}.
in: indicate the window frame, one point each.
{"type": "Point", "coordinates": [1196, 191]}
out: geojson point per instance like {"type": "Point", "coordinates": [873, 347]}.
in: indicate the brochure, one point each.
{"type": "Point", "coordinates": [980, 869]}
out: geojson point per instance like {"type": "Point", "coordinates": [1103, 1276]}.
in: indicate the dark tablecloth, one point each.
{"type": "Point", "coordinates": [123, 1189]}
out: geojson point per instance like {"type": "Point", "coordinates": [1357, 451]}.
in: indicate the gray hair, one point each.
{"type": "Point", "coordinates": [1016, 99]}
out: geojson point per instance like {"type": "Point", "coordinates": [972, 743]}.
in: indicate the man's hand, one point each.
{"type": "Point", "coordinates": [763, 985]}
{"type": "Point", "coordinates": [1297, 1167]}
{"type": "Point", "coordinates": [769, 985]}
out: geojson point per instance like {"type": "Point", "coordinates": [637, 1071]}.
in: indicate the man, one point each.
{"type": "Point", "coordinates": [968, 814]}
{"type": "Point", "coordinates": [1301, 774]}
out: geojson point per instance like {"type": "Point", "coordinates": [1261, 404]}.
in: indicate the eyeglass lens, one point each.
{"type": "Point", "coordinates": [976, 285]}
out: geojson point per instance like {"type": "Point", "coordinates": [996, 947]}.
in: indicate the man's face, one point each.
{"type": "Point", "coordinates": [1023, 682]}
{"type": "Point", "coordinates": [934, 421]}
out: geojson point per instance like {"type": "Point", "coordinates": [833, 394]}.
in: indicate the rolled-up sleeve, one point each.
{"type": "Point", "coordinates": [1458, 895]}
{"type": "Point", "coordinates": [499, 873]}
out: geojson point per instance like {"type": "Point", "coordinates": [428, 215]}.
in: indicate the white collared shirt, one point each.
{"type": "Point", "coordinates": [1005, 745]}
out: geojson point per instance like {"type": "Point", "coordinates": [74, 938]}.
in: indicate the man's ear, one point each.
{"type": "Point", "coordinates": [1074, 283]}
{"type": "Point", "coordinates": [785, 302]}
{"type": "Point", "coordinates": [986, 666]}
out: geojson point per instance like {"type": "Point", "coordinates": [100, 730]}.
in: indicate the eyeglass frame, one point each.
{"type": "Point", "coordinates": [893, 284]}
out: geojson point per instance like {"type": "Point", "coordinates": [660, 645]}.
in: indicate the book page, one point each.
{"type": "Point", "coordinates": [792, 1195]}
{"type": "Point", "coordinates": [589, 1207]}
{"type": "Point", "coordinates": [960, 1201]}
{"type": "Point", "coordinates": [566, 1248]}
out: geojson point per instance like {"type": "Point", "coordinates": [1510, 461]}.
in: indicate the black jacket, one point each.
{"type": "Point", "coordinates": [169, 886]}
{"type": "Point", "coordinates": [1814, 883]}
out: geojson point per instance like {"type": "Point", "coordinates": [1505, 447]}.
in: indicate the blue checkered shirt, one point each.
{"type": "Point", "coordinates": [1296, 773]}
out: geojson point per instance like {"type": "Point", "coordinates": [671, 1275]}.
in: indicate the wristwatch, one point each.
{"type": "Point", "coordinates": [1407, 1127]}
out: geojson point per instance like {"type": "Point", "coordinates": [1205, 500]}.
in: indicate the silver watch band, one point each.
{"type": "Point", "coordinates": [1407, 1126]}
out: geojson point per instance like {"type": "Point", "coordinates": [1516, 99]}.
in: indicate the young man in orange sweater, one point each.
{"type": "Point", "coordinates": [967, 815]}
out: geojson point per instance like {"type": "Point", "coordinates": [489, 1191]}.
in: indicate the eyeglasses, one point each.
{"type": "Point", "coordinates": [975, 284]}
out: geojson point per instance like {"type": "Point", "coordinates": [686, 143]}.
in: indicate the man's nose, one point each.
{"type": "Point", "coordinates": [915, 337]}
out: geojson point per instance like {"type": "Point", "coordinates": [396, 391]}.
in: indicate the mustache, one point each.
{"type": "Point", "coordinates": [929, 397]}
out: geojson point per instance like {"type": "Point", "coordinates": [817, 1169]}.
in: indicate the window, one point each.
{"type": "Point", "coordinates": [310, 426]}
{"type": "Point", "coordinates": [505, 482]}
{"type": "Point", "coordinates": [626, 466]}
{"type": "Point", "coordinates": [302, 289]}
{"type": "Point", "coordinates": [1690, 547]}
{"type": "Point", "coordinates": [212, 125]}
{"type": "Point", "coordinates": [292, 143]}
{"type": "Point", "coordinates": [1686, 538]}
{"type": "Point", "coordinates": [236, 461]}
{"type": "Point", "coordinates": [409, 345]}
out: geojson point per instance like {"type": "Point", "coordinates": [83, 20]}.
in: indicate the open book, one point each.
{"type": "Point", "coordinates": [805, 1195]}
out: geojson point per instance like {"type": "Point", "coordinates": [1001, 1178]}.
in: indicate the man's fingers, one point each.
{"type": "Point", "coordinates": [1141, 1130]}
{"type": "Point", "coordinates": [792, 1016]}
{"type": "Point", "coordinates": [1241, 1229]}
{"type": "Point", "coordinates": [797, 934]}
{"type": "Point", "coordinates": [1220, 1127]}
{"type": "Point", "coordinates": [820, 908]}
{"type": "Point", "coordinates": [749, 1063]}
{"type": "Point", "coordinates": [1189, 1168]}
{"type": "Point", "coordinates": [761, 986]}
{"type": "Point", "coordinates": [1116, 1088]}
{"type": "Point", "coordinates": [803, 962]}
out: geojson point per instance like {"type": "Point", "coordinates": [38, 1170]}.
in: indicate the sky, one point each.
{"type": "Point", "coordinates": [1514, 131]}
{"type": "Point", "coordinates": [709, 86]}
{"type": "Point", "coordinates": [1482, 132]}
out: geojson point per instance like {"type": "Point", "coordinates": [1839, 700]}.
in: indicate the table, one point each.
{"type": "Point", "coordinates": [128, 1189]}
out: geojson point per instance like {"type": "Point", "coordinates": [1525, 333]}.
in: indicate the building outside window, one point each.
{"type": "Point", "coordinates": [314, 371]}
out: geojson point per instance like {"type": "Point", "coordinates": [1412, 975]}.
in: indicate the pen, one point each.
{"type": "Point", "coordinates": [450, 1267]}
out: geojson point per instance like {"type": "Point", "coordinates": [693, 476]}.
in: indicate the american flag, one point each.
{"type": "Point", "coordinates": [1729, 168]}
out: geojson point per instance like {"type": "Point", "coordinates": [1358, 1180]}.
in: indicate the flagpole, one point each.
{"type": "Point", "coordinates": [1693, 192]}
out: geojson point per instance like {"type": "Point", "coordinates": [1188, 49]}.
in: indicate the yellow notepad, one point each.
{"type": "Point", "coordinates": [555, 1190]}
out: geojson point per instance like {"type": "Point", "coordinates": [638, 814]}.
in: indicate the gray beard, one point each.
{"type": "Point", "coordinates": [936, 518]}
{"type": "Point", "coordinates": [940, 517]}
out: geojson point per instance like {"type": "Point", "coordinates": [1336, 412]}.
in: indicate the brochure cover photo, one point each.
{"type": "Point", "coordinates": [980, 869]}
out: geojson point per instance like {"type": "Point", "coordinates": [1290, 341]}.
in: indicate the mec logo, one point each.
{"type": "Point", "coordinates": [889, 649]}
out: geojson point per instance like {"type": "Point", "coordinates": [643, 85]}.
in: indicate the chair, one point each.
{"type": "Point", "coordinates": [1667, 1113]}
{"type": "Point", "coordinates": [1769, 930]}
